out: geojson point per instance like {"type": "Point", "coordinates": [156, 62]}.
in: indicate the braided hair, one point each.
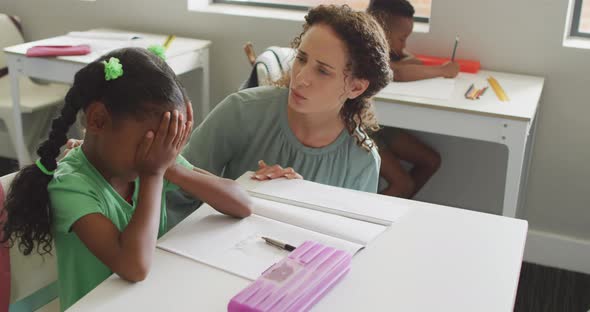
{"type": "Point", "coordinates": [147, 86]}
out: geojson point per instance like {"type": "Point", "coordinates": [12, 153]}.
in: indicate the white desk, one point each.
{"type": "Point", "coordinates": [435, 258]}
{"type": "Point", "coordinates": [183, 55]}
{"type": "Point", "coordinates": [487, 119]}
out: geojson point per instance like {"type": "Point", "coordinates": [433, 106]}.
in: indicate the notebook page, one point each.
{"type": "Point", "coordinates": [235, 245]}
{"type": "Point", "coordinates": [353, 204]}
{"type": "Point", "coordinates": [352, 230]}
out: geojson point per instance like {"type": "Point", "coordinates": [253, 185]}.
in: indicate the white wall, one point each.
{"type": "Point", "coordinates": [520, 36]}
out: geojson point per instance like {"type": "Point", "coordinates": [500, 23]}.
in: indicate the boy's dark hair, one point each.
{"type": "Point", "coordinates": [148, 86]}
{"type": "Point", "coordinates": [392, 8]}
{"type": "Point", "coordinates": [368, 59]}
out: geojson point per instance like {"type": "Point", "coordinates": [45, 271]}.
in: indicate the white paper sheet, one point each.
{"type": "Point", "coordinates": [364, 206]}
{"type": "Point", "coordinates": [435, 88]}
{"type": "Point", "coordinates": [356, 231]}
{"type": "Point", "coordinates": [235, 245]}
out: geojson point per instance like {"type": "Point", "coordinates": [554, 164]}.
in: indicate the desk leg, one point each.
{"type": "Point", "coordinates": [17, 136]}
{"type": "Point", "coordinates": [205, 105]}
{"type": "Point", "coordinates": [515, 137]}
{"type": "Point", "coordinates": [530, 145]}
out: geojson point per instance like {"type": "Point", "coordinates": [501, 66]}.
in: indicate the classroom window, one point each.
{"type": "Point", "coordinates": [581, 19]}
{"type": "Point", "coordinates": [422, 7]}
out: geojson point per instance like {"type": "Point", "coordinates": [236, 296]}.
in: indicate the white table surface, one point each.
{"type": "Point", "coordinates": [435, 258]}
{"type": "Point", "coordinates": [488, 119]}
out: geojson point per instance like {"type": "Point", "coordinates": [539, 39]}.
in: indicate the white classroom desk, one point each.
{"type": "Point", "coordinates": [487, 119]}
{"type": "Point", "coordinates": [183, 55]}
{"type": "Point", "coordinates": [434, 258]}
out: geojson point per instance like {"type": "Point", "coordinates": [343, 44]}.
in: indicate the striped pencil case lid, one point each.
{"type": "Point", "coordinates": [296, 282]}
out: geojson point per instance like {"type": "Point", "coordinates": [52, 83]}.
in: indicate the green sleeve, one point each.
{"type": "Point", "coordinates": [72, 197]}
{"type": "Point", "coordinates": [219, 138]}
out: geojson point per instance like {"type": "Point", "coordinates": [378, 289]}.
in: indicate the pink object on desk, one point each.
{"type": "Point", "coordinates": [4, 262]}
{"type": "Point", "coordinates": [57, 50]}
{"type": "Point", "coordinates": [295, 283]}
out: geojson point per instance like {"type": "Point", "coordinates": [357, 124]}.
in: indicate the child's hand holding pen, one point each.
{"type": "Point", "coordinates": [450, 70]}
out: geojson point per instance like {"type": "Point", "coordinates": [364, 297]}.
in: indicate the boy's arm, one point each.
{"type": "Point", "coordinates": [410, 58]}
{"type": "Point", "coordinates": [224, 195]}
{"type": "Point", "coordinates": [403, 71]}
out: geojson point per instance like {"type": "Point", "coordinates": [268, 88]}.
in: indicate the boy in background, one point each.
{"type": "Point", "coordinates": [396, 17]}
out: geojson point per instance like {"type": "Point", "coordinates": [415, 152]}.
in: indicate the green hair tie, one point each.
{"type": "Point", "coordinates": [43, 169]}
{"type": "Point", "coordinates": [112, 69]}
{"type": "Point", "coordinates": [158, 50]}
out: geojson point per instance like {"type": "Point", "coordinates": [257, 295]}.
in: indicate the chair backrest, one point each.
{"type": "Point", "coordinates": [270, 66]}
{"type": "Point", "coordinates": [10, 35]}
{"type": "Point", "coordinates": [32, 277]}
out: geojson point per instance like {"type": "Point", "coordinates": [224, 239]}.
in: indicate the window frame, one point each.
{"type": "Point", "coordinates": [420, 19]}
{"type": "Point", "coordinates": [576, 19]}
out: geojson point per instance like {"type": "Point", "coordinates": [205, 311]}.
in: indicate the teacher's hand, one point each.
{"type": "Point", "coordinates": [266, 172]}
{"type": "Point", "coordinates": [71, 144]}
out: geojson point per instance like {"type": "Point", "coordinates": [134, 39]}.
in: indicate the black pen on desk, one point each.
{"type": "Point", "coordinates": [278, 244]}
{"type": "Point", "coordinates": [455, 48]}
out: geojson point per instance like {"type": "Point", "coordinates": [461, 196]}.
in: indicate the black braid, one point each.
{"type": "Point", "coordinates": [27, 203]}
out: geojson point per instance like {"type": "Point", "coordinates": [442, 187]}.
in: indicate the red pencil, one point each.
{"type": "Point", "coordinates": [483, 91]}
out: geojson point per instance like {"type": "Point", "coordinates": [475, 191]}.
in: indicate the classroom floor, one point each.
{"type": "Point", "coordinates": [545, 289]}
{"type": "Point", "coordinates": [541, 289]}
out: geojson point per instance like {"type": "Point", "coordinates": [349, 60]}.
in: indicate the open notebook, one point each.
{"type": "Point", "coordinates": [292, 211]}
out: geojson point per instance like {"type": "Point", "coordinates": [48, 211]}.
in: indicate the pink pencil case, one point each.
{"type": "Point", "coordinates": [58, 50]}
{"type": "Point", "coordinates": [295, 283]}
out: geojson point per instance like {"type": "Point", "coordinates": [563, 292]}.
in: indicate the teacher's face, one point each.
{"type": "Point", "coordinates": [320, 81]}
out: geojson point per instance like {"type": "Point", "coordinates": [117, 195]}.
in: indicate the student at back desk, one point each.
{"type": "Point", "coordinates": [396, 17]}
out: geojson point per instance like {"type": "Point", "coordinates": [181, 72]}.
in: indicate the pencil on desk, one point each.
{"type": "Point", "coordinates": [168, 41]}
{"type": "Point", "coordinates": [498, 89]}
{"type": "Point", "coordinates": [482, 91]}
{"type": "Point", "coordinates": [468, 90]}
{"type": "Point", "coordinates": [472, 94]}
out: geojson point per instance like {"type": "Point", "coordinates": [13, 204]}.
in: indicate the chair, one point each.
{"type": "Point", "coordinates": [38, 101]}
{"type": "Point", "coordinates": [268, 67]}
{"type": "Point", "coordinates": [33, 278]}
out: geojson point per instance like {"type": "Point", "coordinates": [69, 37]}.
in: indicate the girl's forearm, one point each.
{"type": "Point", "coordinates": [138, 239]}
{"type": "Point", "coordinates": [225, 195]}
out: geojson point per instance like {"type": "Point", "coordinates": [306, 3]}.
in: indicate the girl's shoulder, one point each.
{"type": "Point", "coordinates": [74, 172]}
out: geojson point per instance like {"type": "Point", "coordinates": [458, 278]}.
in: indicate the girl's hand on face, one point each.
{"type": "Point", "coordinates": [158, 150]}
{"type": "Point", "coordinates": [266, 172]}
